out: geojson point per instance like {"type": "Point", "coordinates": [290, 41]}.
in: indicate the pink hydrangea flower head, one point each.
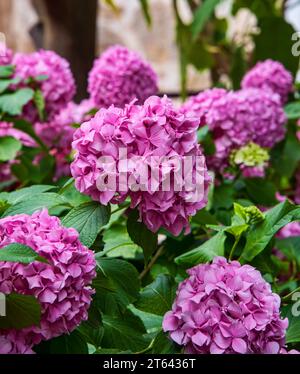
{"type": "Point", "coordinates": [119, 76]}
{"type": "Point", "coordinates": [225, 307]}
{"type": "Point", "coordinates": [242, 117]}
{"type": "Point", "coordinates": [7, 129]}
{"type": "Point", "coordinates": [155, 136]}
{"type": "Point", "coordinates": [200, 104]}
{"type": "Point", "coordinates": [6, 55]}
{"type": "Point", "coordinates": [291, 229]}
{"type": "Point", "coordinates": [13, 345]}
{"type": "Point", "coordinates": [58, 89]}
{"type": "Point", "coordinates": [271, 75]}
{"type": "Point", "coordinates": [62, 286]}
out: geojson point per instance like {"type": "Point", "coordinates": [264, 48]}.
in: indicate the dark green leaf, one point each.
{"type": "Point", "coordinates": [124, 333]}
{"type": "Point", "coordinates": [141, 235]}
{"type": "Point", "coordinates": [9, 148]}
{"type": "Point", "coordinates": [164, 345]}
{"type": "Point", "coordinates": [25, 193]}
{"type": "Point", "coordinates": [88, 219]}
{"type": "Point", "coordinates": [117, 285]}
{"type": "Point", "coordinates": [261, 192]}
{"type": "Point", "coordinates": [205, 252]}
{"type": "Point", "coordinates": [158, 297]}
{"type": "Point", "coordinates": [5, 83]}
{"type": "Point", "coordinates": [66, 344]}
{"type": "Point", "coordinates": [275, 41]}
{"type": "Point", "coordinates": [21, 311]}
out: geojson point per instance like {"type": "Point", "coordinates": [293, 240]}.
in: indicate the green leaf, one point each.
{"type": "Point", "coordinates": [5, 83]}
{"type": "Point", "coordinates": [261, 234]}
{"type": "Point", "coordinates": [6, 71]}
{"type": "Point", "coordinates": [292, 110]}
{"type": "Point", "coordinates": [13, 103]}
{"type": "Point", "coordinates": [117, 242]}
{"type": "Point", "coordinates": [34, 203]}
{"type": "Point", "coordinates": [9, 148]}
{"type": "Point", "coordinates": [125, 333]}
{"type": "Point", "coordinates": [88, 219]}
{"type": "Point", "coordinates": [205, 252]}
{"type": "Point", "coordinates": [25, 193]}
{"type": "Point", "coordinates": [286, 156]}
{"type": "Point", "coordinates": [16, 252]}
{"type": "Point", "coordinates": [202, 15]}
{"type": "Point", "coordinates": [292, 312]}
{"type": "Point", "coordinates": [223, 196]}
{"type": "Point", "coordinates": [157, 297]}
{"type": "Point", "coordinates": [146, 11]}
{"type": "Point", "coordinates": [275, 41]}
{"type": "Point", "coordinates": [92, 329]}
{"type": "Point", "coordinates": [238, 67]}
{"type": "Point", "coordinates": [141, 235]}
{"type": "Point", "coordinates": [164, 345]}
{"type": "Point", "coordinates": [117, 285]}
{"type": "Point", "coordinates": [21, 311]}
{"type": "Point", "coordinates": [39, 102]}
{"type": "Point", "coordinates": [66, 344]}
{"type": "Point", "coordinates": [203, 217]}
{"type": "Point", "coordinates": [261, 191]}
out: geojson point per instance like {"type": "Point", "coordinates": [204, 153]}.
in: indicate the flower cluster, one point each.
{"type": "Point", "coordinates": [270, 75]}
{"type": "Point", "coordinates": [224, 307]}
{"type": "Point", "coordinates": [62, 286]}
{"type": "Point", "coordinates": [199, 105]}
{"type": "Point", "coordinates": [243, 117]}
{"type": "Point", "coordinates": [156, 138]}
{"type": "Point", "coordinates": [11, 346]}
{"type": "Point", "coordinates": [6, 129]}
{"type": "Point", "coordinates": [58, 133]}
{"type": "Point", "coordinates": [57, 86]}
{"type": "Point", "coordinates": [119, 76]}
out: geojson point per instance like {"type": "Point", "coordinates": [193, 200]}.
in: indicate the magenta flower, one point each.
{"type": "Point", "coordinates": [199, 105]}
{"type": "Point", "coordinates": [62, 286]}
{"type": "Point", "coordinates": [270, 75]}
{"type": "Point", "coordinates": [242, 117]}
{"type": "Point", "coordinates": [13, 345]}
{"type": "Point", "coordinates": [224, 307]}
{"type": "Point", "coordinates": [119, 76]}
{"type": "Point", "coordinates": [58, 89]}
{"type": "Point", "coordinates": [151, 135]}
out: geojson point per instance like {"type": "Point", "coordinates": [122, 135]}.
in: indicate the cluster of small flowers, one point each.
{"type": "Point", "coordinates": [224, 307]}
{"type": "Point", "coordinates": [62, 285]}
{"type": "Point", "coordinates": [119, 76]}
{"type": "Point", "coordinates": [155, 129]}
{"type": "Point", "coordinates": [57, 85]}
{"type": "Point", "coordinates": [270, 75]}
{"type": "Point", "coordinates": [237, 119]}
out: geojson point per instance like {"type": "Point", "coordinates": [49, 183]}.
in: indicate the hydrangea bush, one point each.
{"type": "Point", "coordinates": [129, 223]}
